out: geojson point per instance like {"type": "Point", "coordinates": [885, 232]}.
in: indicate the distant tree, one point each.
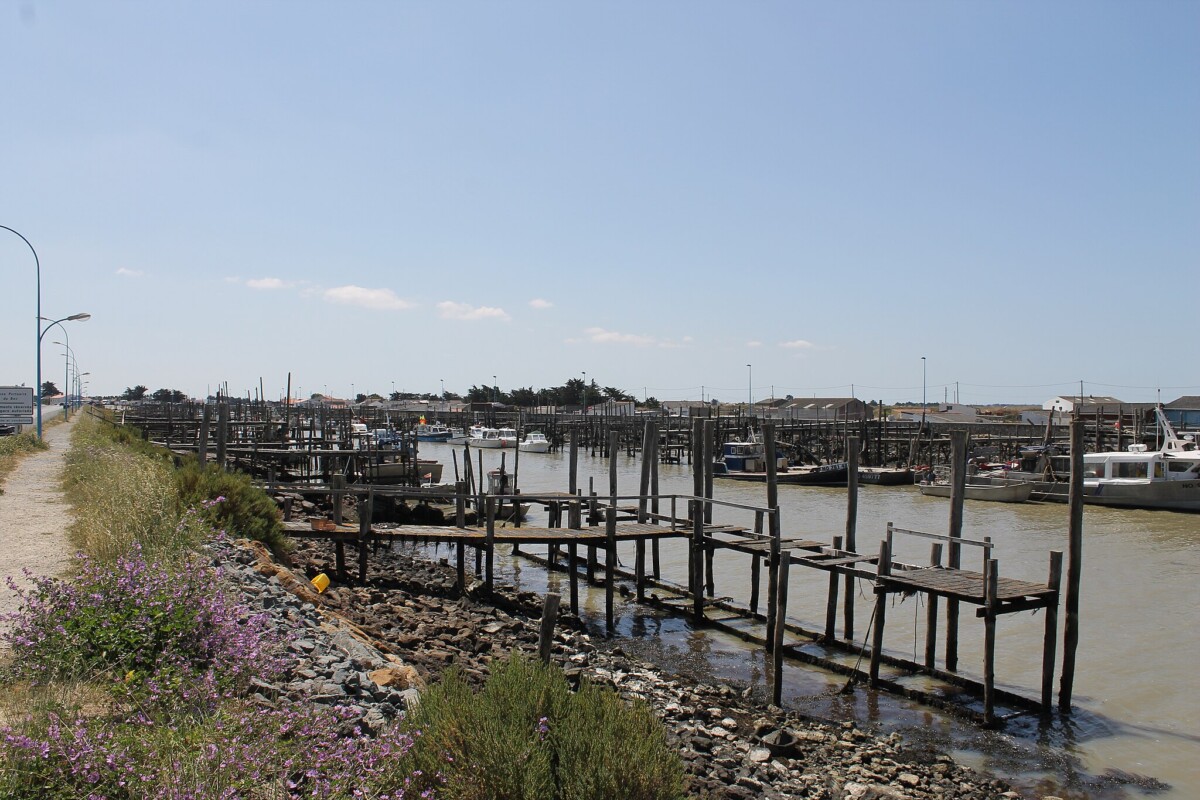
{"type": "Point", "coordinates": [394, 396]}
{"type": "Point", "coordinates": [168, 396]}
{"type": "Point", "coordinates": [49, 389]}
{"type": "Point", "coordinates": [316, 396]}
{"type": "Point", "coordinates": [136, 393]}
{"type": "Point", "coordinates": [615, 394]}
{"type": "Point", "coordinates": [652, 402]}
{"type": "Point", "coordinates": [479, 394]}
{"type": "Point", "coordinates": [524, 397]}
{"type": "Point", "coordinates": [360, 397]}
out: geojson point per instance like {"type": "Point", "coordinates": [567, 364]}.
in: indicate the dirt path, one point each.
{"type": "Point", "coordinates": [34, 516]}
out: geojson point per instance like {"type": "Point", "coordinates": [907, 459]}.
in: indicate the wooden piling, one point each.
{"type": "Point", "coordinates": [546, 630]}
{"type": "Point", "coordinates": [365, 510]}
{"type": "Point", "coordinates": [202, 441]}
{"type": "Point", "coordinates": [931, 611]}
{"type": "Point", "coordinates": [1074, 566]}
{"type": "Point", "coordinates": [695, 554]}
{"type": "Point", "coordinates": [768, 431]}
{"type": "Point", "coordinates": [1050, 639]}
{"type": "Point", "coordinates": [610, 565]}
{"type": "Point", "coordinates": [490, 545]}
{"type": "Point", "coordinates": [958, 489]}
{"type": "Point", "coordinates": [991, 580]}
{"type": "Point", "coordinates": [832, 601]}
{"type": "Point", "coordinates": [851, 535]}
{"type": "Point", "coordinates": [778, 631]}
{"type": "Point", "coordinates": [885, 568]}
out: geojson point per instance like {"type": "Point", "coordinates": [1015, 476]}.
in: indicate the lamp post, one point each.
{"type": "Point", "coordinates": [68, 358]}
{"type": "Point", "coordinates": [38, 322]}
{"type": "Point", "coordinates": [79, 384]}
{"type": "Point", "coordinates": [922, 394]}
{"type": "Point", "coordinates": [82, 317]}
{"type": "Point", "coordinates": [749, 390]}
{"type": "Point", "coordinates": [494, 388]}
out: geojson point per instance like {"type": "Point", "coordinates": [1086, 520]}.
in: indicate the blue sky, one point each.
{"type": "Point", "coordinates": [656, 194]}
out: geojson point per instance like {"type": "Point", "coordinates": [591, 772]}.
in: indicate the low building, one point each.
{"type": "Point", "coordinates": [1184, 413]}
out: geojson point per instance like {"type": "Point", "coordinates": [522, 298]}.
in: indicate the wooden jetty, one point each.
{"type": "Point", "coordinates": [600, 522]}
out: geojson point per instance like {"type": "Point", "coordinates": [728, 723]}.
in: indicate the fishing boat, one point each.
{"type": "Point", "coordinates": [535, 442]}
{"type": "Point", "coordinates": [885, 476]}
{"type": "Point", "coordinates": [508, 437]}
{"type": "Point", "coordinates": [1167, 478]}
{"type": "Point", "coordinates": [432, 432]}
{"type": "Point", "coordinates": [747, 461]}
{"type": "Point", "coordinates": [1015, 492]}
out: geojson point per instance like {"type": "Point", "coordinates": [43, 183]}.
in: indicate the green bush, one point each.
{"type": "Point", "coordinates": [231, 502]}
{"type": "Point", "coordinates": [526, 736]}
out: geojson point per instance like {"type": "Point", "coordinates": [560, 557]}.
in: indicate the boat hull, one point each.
{"type": "Point", "coordinates": [822, 475]}
{"type": "Point", "coordinates": [535, 447]}
{"type": "Point", "coordinates": [885, 476]}
{"type": "Point", "coordinates": [1118, 493]}
{"type": "Point", "coordinates": [1009, 493]}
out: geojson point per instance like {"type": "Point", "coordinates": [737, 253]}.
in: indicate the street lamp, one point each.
{"type": "Point", "coordinates": [494, 388]}
{"type": "Point", "coordinates": [922, 393]}
{"type": "Point", "coordinates": [749, 390]}
{"type": "Point", "coordinates": [68, 358]}
{"type": "Point", "coordinates": [83, 317]}
{"type": "Point", "coordinates": [38, 323]}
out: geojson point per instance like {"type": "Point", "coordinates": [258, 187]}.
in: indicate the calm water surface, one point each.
{"type": "Point", "coordinates": [1135, 685]}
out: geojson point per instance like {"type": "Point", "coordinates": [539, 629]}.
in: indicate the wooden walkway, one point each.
{"type": "Point", "coordinates": [477, 537]}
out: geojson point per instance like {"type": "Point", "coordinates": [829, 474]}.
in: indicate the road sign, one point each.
{"type": "Point", "coordinates": [16, 420]}
{"type": "Point", "coordinates": [16, 401]}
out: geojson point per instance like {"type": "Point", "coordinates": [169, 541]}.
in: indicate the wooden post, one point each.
{"type": "Point", "coordinates": [931, 612]}
{"type": "Point", "coordinates": [778, 631]}
{"type": "Point", "coordinates": [756, 565]}
{"type": "Point", "coordinates": [460, 504]}
{"type": "Point", "coordinates": [710, 427]}
{"type": "Point", "coordinates": [831, 603]}
{"type": "Point", "coordinates": [1074, 567]}
{"type": "Point", "coordinates": [851, 533]}
{"type": "Point", "coordinates": [365, 510]}
{"type": "Point", "coordinates": [768, 431]}
{"type": "Point", "coordinates": [991, 579]}
{"type": "Point", "coordinates": [572, 554]}
{"type": "Point", "coordinates": [639, 569]}
{"type": "Point", "coordinates": [490, 555]}
{"type": "Point", "coordinates": [709, 581]}
{"type": "Point", "coordinates": [958, 488]}
{"type": "Point", "coordinates": [338, 482]}
{"type": "Point", "coordinates": [573, 456]}
{"type": "Point", "coordinates": [546, 631]}
{"type": "Point", "coordinates": [202, 441]}
{"type": "Point", "coordinates": [222, 433]}
{"type": "Point", "coordinates": [696, 558]}
{"type": "Point", "coordinates": [644, 484]}
{"type": "Point", "coordinates": [1050, 640]}
{"type": "Point", "coordinates": [885, 569]}
{"type": "Point", "coordinates": [610, 563]}
{"type": "Point", "coordinates": [656, 564]}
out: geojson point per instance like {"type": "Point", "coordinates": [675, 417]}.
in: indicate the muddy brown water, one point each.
{"type": "Point", "coordinates": [1135, 729]}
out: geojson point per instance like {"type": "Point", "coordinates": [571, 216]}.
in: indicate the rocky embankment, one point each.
{"type": "Point", "coordinates": [374, 646]}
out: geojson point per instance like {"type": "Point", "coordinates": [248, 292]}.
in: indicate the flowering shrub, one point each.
{"type": "Point", "coordinates": [240, 751]}
{"type": "Point", "coordinates": [244, 510]}
{"type": "Point", "coordinates": [156, 632]}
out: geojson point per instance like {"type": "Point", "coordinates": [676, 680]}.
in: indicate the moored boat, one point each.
{"type": "Point", "coordinates": [486, 438]}
{"type": "Point", "coordinates": [432, 432]}
{"type": "Point", "coordinates": [1017, 492]}
{"type": "Point", "coordinates": [747, 461]}
{"type": "Point", "coordinates": [885, 476]}
{"type": "Point", "coordinates": [535, 442]}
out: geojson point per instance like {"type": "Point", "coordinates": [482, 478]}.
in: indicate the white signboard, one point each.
{"type": "Point", "coordinates": [16, 405]}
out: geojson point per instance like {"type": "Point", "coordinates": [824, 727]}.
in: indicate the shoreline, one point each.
{"type": "Point", "coordinates": [407, 626]}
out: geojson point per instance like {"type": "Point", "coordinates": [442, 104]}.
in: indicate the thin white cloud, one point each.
{"type": "Point", "coordinates": [130, 273]}
{"type": "Point", "coordinates": [539, 303]}
{"type": "Point", "coordinates": [798, 344]}
{"type": "Point", "coordinates": [268, 283]}
{"type": "Point", "coordinates": [374, 299]}
{"type": "Point", "coordinates": [451, 310]}
{"type": "Point", "coordinates": [602, 336]}
{"type": "Point", "coordinates": [754, 344]}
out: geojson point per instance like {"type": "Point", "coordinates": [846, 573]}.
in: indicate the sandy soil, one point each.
{"type": "Point", "coordinates": [34, 516]}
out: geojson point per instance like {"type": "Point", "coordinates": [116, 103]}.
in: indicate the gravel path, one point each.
{"type": "Point", "coordinates": [34, 515]}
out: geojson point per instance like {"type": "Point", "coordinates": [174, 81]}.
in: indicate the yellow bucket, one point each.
{"type": "Point", "coordinates": [321, 582]}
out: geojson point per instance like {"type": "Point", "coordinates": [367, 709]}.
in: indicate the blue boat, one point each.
{"type": "Point", "coordinates": [432, 432]}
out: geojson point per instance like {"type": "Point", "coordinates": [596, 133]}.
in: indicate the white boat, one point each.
{"type": "Point", "coordinates": [1164, 479]}
{"type": "Point", "coordinates": [535, 442]}
{"type": "Point", "coordinates": [1017, 492]}
{"type": "Point", "coordinates": [485, 438]}
{"type": "Point", "coordinates": [508, 437]}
